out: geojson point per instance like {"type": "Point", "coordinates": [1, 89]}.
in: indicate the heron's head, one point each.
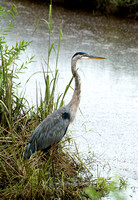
{"type": "Point", "coordinates": [80, 55]}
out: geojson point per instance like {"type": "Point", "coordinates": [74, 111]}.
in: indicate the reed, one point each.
{"type": "Point", "coordinates": [48, 104]}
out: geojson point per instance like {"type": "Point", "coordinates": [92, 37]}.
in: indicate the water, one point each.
{"type": "Point", "coordinates": [109, 103]}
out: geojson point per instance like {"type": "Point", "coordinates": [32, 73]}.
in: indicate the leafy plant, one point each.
{"type": "Point", "coordinates": [11, 106]}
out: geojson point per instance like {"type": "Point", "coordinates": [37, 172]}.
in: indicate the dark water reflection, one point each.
{"type": "Point", "coordinates": [109, 88]}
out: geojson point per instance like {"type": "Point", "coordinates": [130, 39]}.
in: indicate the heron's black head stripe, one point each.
{"type": "Point", "coordinates": [79, 53]}
{"type": "Point", "coordinates": [66, 115]}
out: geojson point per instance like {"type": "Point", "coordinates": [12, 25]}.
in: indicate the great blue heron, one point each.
{"type": "Point", "coordinates": [52, 129]}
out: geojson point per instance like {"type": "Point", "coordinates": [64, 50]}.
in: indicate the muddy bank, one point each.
{"type": "Point", "coordinates": [121, 9]}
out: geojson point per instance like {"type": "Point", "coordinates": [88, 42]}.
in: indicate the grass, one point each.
{"type": "Point", "coordinates": [72, 178]}
{"type": "Point", "coordinates": [34, 179]}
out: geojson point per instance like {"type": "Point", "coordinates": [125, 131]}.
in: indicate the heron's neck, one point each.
{"type": "Point", "coordinates": [74, 103]}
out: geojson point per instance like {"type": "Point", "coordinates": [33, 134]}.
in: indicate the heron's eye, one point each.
{"type": "Point", "coordinates": [66, 115]}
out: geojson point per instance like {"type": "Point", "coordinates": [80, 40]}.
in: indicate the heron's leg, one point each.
{"type": "Point", "coordinates": [53, 169]}
{"type": "Point", "coordinates": [52, 148]}
{"type": "Point", "coordinates": [51, 153]}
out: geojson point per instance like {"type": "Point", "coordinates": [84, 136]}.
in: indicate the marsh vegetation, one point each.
{"type": "Point", "coordinates": [74, 178]}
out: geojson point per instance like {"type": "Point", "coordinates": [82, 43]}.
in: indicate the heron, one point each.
{"type": "Point", "coordinates": [53, 128]}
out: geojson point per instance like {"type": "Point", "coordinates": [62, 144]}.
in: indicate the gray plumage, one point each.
{"type": "Point", "coordinates": [52, 129]}
{"type": "Point", "coordinates": [48, 132]}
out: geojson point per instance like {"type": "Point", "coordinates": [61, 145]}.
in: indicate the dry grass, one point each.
{"type": "Point", "coordinates": [58, 174]}
{"type": "Point", "coordinates": [36, 178]}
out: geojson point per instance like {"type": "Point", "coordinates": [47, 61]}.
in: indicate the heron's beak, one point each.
{"type": "Point", "coordinates": [94, 57]}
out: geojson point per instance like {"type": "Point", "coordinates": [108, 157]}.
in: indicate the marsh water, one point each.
{"type": "Point", "coordinates": [109, 103]}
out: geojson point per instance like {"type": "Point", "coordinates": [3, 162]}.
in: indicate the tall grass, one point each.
{"type": "Point", "coordinates": [49, 103]}
{"type": "Point", "coordinates": [35, 178]}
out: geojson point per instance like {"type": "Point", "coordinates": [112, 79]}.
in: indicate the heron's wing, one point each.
{"type": "Point", "coordinates": [54, 135]}
{"type": "Point", "coordinates": [49, 131]}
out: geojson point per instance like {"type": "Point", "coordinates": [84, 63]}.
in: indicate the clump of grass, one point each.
{"type": "Point", "coordinates": [58, 175]}
{"type": "Point", "coordinates": [36, 179]}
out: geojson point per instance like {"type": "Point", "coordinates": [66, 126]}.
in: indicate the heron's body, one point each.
{"type": "Point", "coordinates": [52, 129]}
{"type": "Point", "coordinates": [49, 131]}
